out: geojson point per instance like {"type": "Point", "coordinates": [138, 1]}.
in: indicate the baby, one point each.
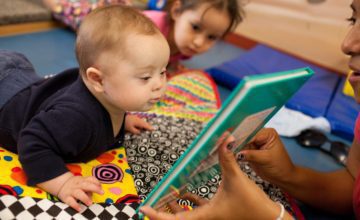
{"type": "Point", "coordinates": [80, 113]}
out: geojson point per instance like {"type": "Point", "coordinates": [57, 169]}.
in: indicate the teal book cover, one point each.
{"type": "Point", "coordinates": [252, 103]}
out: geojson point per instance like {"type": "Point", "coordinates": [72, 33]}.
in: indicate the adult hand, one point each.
{"type": "Point", "coordinates": [134, 124]}
{"type": "Point", "coordinates": [237, 198]}
{"type": "Point", "coordinates": [268, 157]}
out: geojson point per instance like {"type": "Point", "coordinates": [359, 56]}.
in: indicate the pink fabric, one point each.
{"type": "Point", "coordinates": [159, 18]}
{"type": "Point", "coordinates": [356, 194]}
{"type": "Point", "coordinates": [357, 129]}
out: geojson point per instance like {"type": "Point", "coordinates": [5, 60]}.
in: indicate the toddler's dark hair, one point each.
{"type": "Point", "coordinates": [233, 7]}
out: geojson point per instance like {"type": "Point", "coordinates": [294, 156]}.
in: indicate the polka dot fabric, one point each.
{"type": "Point", "coordinates": [111, 168]}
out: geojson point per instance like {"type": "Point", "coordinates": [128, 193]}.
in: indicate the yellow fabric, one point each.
{"type": "Point", "coordinates": [118, 185]}
{"type": "Point", "coordinates": [347, 89]}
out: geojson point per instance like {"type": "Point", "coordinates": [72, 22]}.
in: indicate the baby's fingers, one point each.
{"type": "Point", "coordinates": [135, 130]}
{"type": "Point", "coordinates": [90, 186]}
{"type": "Point", "coordinates": [83, 197]}
{"type": "Point", "coordinates": [71, 201]}
{"type": "Point", "coordinates": [142, 124]}
{"type": "Point", "coordinates": [145, 125]}
{"type": "Point", "coordinates": [93, 179]}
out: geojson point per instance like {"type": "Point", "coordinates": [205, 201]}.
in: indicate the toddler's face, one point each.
{"type": "Point", "coordinates": [351, 47]}
{"type": "Point", "coordinates": [137, 81]}
{"type": "Point", "coordinates": [196, 31]}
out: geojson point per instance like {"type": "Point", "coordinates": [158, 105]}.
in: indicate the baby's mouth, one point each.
{"type": "Point", "coordinates": [356, 73]}
{"type": "Point", "coordinates": [154, 100]}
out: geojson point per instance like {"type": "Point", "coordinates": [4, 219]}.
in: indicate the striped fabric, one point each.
{"type": "Point", "coordinates": [191, 94]}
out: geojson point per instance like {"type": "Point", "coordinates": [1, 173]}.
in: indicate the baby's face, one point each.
{"type": "Point", "coordinates": [138, 80]}
{"type": "Point", "coordinates": [196, 31]}
{"type": "Point", "coordinates": [351, 47]}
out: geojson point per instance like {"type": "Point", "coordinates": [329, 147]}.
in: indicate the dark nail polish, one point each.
{"type": "Point", "coordinates": [231, 145]}
{"type": "Point", "coordinates": [240, 157]}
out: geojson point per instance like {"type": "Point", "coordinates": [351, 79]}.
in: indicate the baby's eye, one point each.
{"type": "Point", "coordinates": [163, 73]}
{"type": "Point", "coordinates": [146, 78]}
{"type": "Point", "coordinates": [352, 20]}
{"type": "Point", "coordinates": [195, 27]}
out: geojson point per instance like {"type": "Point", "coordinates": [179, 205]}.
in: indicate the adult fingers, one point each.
{"type": "Point", "coordinates": [261, 157]}
{"type": "Point", "coordinates": [263, 139]}
{"type": "Point", "coordinates": [199, 201]}
{"type": "Point", "coordinates": [155, 215]}
{"type": "Point", "coordinates": [229, 166]}
{"type": "Point", "coordinates": [174, 207]}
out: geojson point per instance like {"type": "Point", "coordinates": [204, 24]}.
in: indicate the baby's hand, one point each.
{"type": "Point", "coordinates": [135, 124]}
{"type": "Point", "coordinates": [79, 188]}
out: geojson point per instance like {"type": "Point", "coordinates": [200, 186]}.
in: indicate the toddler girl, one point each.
{"type": "Point", "coordinates": [191, 27]}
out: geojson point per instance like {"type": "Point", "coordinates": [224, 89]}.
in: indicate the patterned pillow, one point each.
{"type": "Point", "coordinates": [110, 168]}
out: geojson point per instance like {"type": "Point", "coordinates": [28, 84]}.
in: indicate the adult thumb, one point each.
{"type": "Point", "coordinates": [227, 161]}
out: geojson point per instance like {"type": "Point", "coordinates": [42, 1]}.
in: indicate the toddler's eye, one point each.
{"type": "Point", "coordinates": [146, 78]}
{"type": "Point", "coordinates": [195, 27]}
{"type": "Point", "coordinates": [351, 20]}
{"type": "Point", "coordinates": [212, 37]}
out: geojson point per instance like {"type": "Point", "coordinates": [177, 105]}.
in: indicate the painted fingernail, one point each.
{"type": "Point", "coordinates": [240, 157]}
{"type": "Point", "coordinates": [231, 145]}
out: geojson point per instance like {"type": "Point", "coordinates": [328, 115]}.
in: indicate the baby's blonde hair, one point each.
{"type": "Point", "coordinates": [106, 29]}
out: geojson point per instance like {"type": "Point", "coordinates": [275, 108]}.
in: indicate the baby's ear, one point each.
{"type": "Point", "coordinates": [94, 78]}
{"type": "Point", "coordinates": [175, 9]}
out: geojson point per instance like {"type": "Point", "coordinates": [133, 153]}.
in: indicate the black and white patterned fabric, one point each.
{"type": "Point", "coordinates": [12, 207]}
{"type": "Point", "coordinates": [152, 154]}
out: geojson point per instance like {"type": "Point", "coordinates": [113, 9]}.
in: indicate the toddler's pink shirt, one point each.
{"type": "Point", "coordinates": [159, 18]}
{"type": "Point", "coordinates": [356, 193]}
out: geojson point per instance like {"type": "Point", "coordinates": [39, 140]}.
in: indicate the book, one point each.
{"type": "Point", "coordinates": [252, 103]}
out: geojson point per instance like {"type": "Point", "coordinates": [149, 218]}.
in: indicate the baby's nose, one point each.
{"type": "Point", "coordinates": [199, 40]}
{"type": "Point", "coordinates": [158, 85]}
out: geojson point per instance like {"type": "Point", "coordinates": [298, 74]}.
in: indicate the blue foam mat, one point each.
{"type": "Point", "coordinates": [321, 95]}
{"type": "Point", "coordinates": [313, 99]}
{"type": "Point", "coordinates": [49, 51]}
{"type": "Point", "coordinates": [342, 113]}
